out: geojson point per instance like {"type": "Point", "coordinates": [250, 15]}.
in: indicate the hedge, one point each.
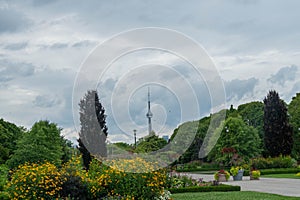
{"type": "Point", "coordinates": [279, 171]}
{"type": "Point", "coordinates": [219, 188]}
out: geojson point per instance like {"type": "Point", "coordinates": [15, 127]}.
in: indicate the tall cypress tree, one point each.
{"type": "Point", "coordinates": [93, 130]}
{"type": "Point", "coordinates": [278, 132]}
{"type": "Point", "coordinates": [86, 156]}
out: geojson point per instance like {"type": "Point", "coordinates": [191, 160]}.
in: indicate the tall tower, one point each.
{"type": "Point", "coordinates": [149, 114]}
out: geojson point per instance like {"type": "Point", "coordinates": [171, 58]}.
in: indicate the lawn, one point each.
{"type": "Point", "coordinates": [230, 196]}
{"type": "Point", "coordinates": [281, 176]}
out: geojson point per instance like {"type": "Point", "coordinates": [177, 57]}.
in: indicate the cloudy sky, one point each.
{"type": "Point", "coordinates": [44, 45]}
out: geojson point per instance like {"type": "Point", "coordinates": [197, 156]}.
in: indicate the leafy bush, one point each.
{"type": "Point", "coordinates": [35, 181]}
{"type": "Point", "coordinates": [255, 174]}
{"type": "Point", "coordinates": [3, 176]}
{"type": "Point", "coordinates": [277, 162]}
{"type": "Point", "coordinates": [75, 184]}
{"type": "Point", "coordinates": [115, 180]}
{"type": "Point", "coordinates": [235, 170]}
{"type": "Point", "coordinates": [227, 174]}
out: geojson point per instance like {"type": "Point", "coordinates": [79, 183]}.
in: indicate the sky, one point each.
{"type": "Point", "coordinates": [45, 45]}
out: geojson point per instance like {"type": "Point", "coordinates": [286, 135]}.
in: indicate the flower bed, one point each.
{"type": "Point", "coordinates": [46, 181]}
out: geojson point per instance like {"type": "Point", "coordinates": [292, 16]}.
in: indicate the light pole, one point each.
{"type": "Point", "coordinates": [134, 133]}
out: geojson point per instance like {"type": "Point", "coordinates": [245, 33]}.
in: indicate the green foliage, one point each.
{"type": "Point", "coordinates": [150, 143]}
{"type": "Point", "coordinates": [222, 171]}
{"type": "Point", "coordinates": [253, 114]}
{"type": "Point", "coordinates": [107, 181]}
{"type": "Point", "coordinates": [192, 152]}
{"type": "Point", "coordinates": [75, 183]}
{"type": "Point", "coordinates": [294, 114]}
{"type": "Point", "coordinates": [279, 171]}
{"type": "Point", "coordinates": [255, 174]}
{"type": "Point", "coordinates": [67, 149]}
{"type": "Point", "coordinates": [9, 133]}
{"type": "Point", "coordinates": [245, 195]}
{"type": "Point", "coordinates": [3, 176]}
{"type": "Point", "coordinates": [219, 188]}
{"type": "Point", "coordinates": [278, 132]}
{"type": "Point", "coordinates": [242, 139]}
{"type": "Point", "coordinates": [235, 170]}
{"type": "Point", "coordinates": [42, 143]}
{"type": "Point", "coordinates": [277, 162]}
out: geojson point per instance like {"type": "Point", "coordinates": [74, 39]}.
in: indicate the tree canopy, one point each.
{"type": "Point", "coordinates": [278, 138]}
{"type": "Point", "coordinates": [236, 138]}
{"type": "Point", "coordinates": [294, 112]}
{"type": "Point", "coordinates": [42, 143]}
{"type": "Point", "coordinates": [9, 133]}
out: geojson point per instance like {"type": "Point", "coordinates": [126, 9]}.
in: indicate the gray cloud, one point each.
{"type": "Point", "coordinates": [46, 101]}
{"type": "Point", "coordinates": [10, 70]}
{"type": "Point", "coordinates": [12, 21]}
{"type": "Point", "coordinates": [83, 43]}
{"type": "Point", "coordinates": [284, 74]}
{"type": "Point", "coordinates": [16, 46]}
{"type": "Point", "coordinates": [237, 89]}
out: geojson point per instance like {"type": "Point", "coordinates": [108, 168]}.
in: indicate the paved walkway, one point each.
{"type": "Point", "coordinates": [281, 186]}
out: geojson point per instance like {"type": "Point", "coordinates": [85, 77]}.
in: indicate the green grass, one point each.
{"type": "Point", "coordinates": [281, 176]}
{"type": "Point", "coordinates": [230, 196]}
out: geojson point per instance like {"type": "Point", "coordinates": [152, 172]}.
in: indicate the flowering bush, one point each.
{"type": "Point", "coordinates": [114, 181]}
{"type": "Point", "coordinates": [35, 181]}
{"type": "Point", "coordinates": [45, 181]}
{"type": "Point", "coordinates": [255, 174]}
{"type": "Point", "coordinates": [222, 171]}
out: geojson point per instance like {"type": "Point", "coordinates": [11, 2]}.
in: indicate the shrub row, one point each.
{"type": "Point", "coordinates": [277, 162]}
{"type": "Point", "coordinates": [219, 188]}
{"type": "Point", "coordinates": [280, 171]}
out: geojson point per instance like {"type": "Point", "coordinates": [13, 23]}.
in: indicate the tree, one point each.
{"type": "Point", "coordinates": [86, 156]}
{"type": "Point", "coordinates": [192, 153]}
{"type": "Point", "coordinates": [150, 143]}
{"type": "Point", "coordinates": [42, 143]}
{"type": "Point", "coordinates": [93, 130]}
{"type": "Point", "coordinates": [253, 114]}
{"type": "Point", "coordinates": [278, 132]}
{"type": "Point", "coordinates": [294, 112]}
{"type": "Point", "coordinates": [9, 133]}
{"type": "Point", "coordinates": [237, 138]}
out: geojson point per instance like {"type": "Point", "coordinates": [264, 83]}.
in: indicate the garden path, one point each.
{"type": "Point", "coordinates": [281, 186]}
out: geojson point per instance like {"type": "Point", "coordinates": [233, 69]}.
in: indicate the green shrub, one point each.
{"type": "Point", "coordinates": [75, 184]}
{"type": "Point", "coordinates": [277, 162]}
{"type": "Point", "coordinates": [279, 171]}
{"type": "Point", "coordinates": [3, 176]}
{"type": "Point", "coordinates": [219, 188]}
{"type": "Point", "coordinates": [114, 181]}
